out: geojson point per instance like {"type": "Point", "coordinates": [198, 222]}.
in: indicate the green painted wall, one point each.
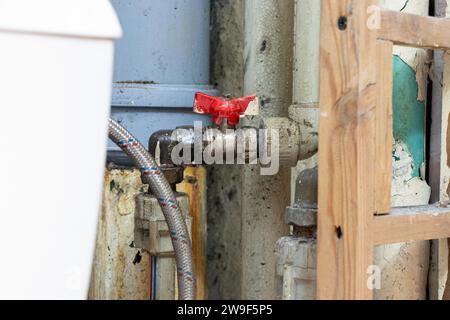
{"type": "Point", "coordinates": [409, 113]}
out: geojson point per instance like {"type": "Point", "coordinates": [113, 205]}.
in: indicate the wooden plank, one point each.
{"type": "Point", "coordinates": [347, 149]}
{"type": "Point", "coordinates": [414, 30]}
{"type": "Point", "coordinates": [384, 127]}
{"type": "Point", "coordinates": [412, 223]}
{"type": "Point", "coordinates": [194, 185]}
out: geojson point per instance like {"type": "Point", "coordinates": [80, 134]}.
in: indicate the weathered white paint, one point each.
{"type": "Point", "coordinates": [404, 270]}
{"type": "Point", "coordinates": [296, 268]}
{"type": "Point", "coordinates": [406, 189]}
{"type": "Point", "coordinates": [120, 271]}
{"type": "Point", "coordinates": [445, 169]}
{"type": "Point", "coordinates": [416, 58]}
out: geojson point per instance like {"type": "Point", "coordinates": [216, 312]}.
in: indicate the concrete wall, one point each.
{"type": "Point", "coordinates": [246, 211]}
{"type": "Point", "coordinates": [269, 27]}
{"type": "Point", "coordinates": [224, 265]}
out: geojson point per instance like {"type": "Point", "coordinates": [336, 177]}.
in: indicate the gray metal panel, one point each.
{"type": "Point", "coordinates": [160, 63]}
{"type": "Point", "coordinates": [151, 95]}
{"type": "Point", "coordinates": [164, 41]}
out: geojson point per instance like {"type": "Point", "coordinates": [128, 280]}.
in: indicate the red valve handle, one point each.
{"type": "Point", "coordinates": [221, 109]}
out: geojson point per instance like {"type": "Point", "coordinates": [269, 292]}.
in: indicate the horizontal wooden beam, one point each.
{"type": "Point", "coordinates": [412, 223]}
{"type": "Point", "coordinates": [414, 30]}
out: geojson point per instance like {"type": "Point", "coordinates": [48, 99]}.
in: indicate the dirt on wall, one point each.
{"type": "Point", "coordinates": [224, 182]}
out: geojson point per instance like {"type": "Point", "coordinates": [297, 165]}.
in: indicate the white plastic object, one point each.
{"type": "Point", "coordinates": [56, 62]}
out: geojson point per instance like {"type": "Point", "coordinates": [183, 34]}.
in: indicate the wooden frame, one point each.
{"type": "Point", "coordinates": [355, 140]}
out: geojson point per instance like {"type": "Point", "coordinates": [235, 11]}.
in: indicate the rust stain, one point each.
{"type": "Point", "coordinates": [194, 185]}
{"type": "Point", "coordinates": [114, 276]}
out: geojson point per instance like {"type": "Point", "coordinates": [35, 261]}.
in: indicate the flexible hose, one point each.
{"type": "Point", "coordinates": [159, 186]}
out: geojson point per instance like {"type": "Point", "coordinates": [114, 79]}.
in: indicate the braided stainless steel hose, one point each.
{"type": "Point", "coordinates": [159, 186]}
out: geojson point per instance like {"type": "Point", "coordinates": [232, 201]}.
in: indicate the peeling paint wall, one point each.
{"type": "Point", "coordinates": [405, 266]}
{"type": "Point", "coordinates": [407, 189]}
{"type": "Point", "coordinates": [445, 166]}
{"type": "Point", "coordinates": [445, 159]}
{"type": "Point", "coordinates": [409, 110]}
{"type": "Point", "coordinates": [120, 271]}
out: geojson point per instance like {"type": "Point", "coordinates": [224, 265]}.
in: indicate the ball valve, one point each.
{"type": "Point", "coordinates": [228, 112]}
{"type": "Point", "coordinates": [225, 112]}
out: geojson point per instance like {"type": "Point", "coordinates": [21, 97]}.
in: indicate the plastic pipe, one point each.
{"type": "Point", "coordinates": [305, 107]}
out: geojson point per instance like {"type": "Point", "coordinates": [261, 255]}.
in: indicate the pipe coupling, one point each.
{"type": "Point", "coordinates": [307, 118]}
{"type": "Point", "coordinates": [288, 139]}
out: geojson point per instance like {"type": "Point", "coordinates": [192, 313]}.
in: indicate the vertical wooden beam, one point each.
{"type": "Point", "coordinates": [384, 128]}
{"type": "Point", "coordinates": [347, 149]}
{"type": "Point", "coordinates": [194, 185]}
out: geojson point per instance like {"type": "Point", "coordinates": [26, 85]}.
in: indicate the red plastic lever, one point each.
{"type": "Point", "coordinates": [221, 109]}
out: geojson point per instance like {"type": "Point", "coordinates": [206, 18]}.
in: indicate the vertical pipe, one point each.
{"type": "Point", "coordinates": [304, 109]}
{"type": "Point", "coordinates": [268, 54]}
{"type": "Point", "coordinates": [268, 73]}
